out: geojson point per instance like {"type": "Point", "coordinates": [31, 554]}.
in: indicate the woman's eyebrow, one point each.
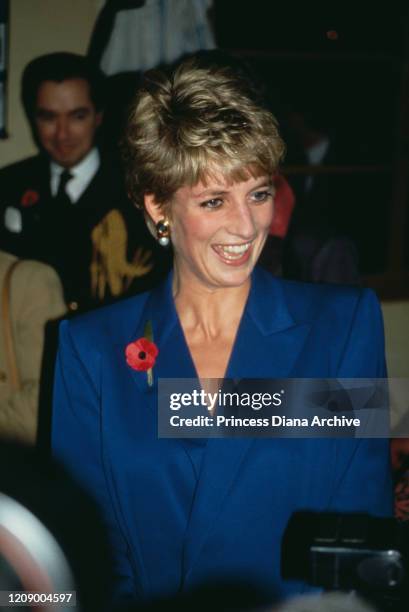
{"type": "Point", "coordinates": [263, 185]}
{"type": "Point", "coordinates": [210, 192]}
{"type": "Point", "coordinates": [213, 191]}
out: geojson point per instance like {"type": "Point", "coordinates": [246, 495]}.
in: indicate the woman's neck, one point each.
{"type": "Point", "coordinates": [209, 311]}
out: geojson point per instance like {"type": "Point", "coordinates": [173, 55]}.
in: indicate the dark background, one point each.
{"type": "Point", "coordinates": [344, 67]}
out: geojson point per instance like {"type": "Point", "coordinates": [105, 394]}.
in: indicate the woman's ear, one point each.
{"type": "Point", "coordinates": [153, 208]}
{"type": "Point", "coordinates": [156, 219]}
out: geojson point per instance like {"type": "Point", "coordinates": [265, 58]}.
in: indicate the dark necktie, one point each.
{"type": "Point", "coordinates": [61, 197]}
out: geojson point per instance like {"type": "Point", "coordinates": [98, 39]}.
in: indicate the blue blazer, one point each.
{"type": "Point", "coordinates": [180, 512]}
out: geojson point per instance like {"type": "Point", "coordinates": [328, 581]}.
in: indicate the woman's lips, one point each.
{"type": "Point", "coordinates": [233, 254]}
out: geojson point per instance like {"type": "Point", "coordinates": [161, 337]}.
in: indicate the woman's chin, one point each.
{"type": "Point", "coordinates": [232, 276]}
{"type": "Point", "coordinates": [215, 272]}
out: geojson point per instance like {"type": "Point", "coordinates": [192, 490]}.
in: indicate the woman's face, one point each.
{"type": "Point", "coordinates": [218, 229]}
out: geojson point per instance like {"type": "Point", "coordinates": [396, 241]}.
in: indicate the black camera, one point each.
{"type": "Point", "coordinates": [350, 552]}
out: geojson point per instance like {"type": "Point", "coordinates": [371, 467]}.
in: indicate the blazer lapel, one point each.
{"type": "Point", "coordinates": [267, 345]}
{"type": "Point", "coordinates": [44, 178]}
{"type": "Point", "coordinates": [269, 339]}
{"type": "Point", "coordinates": [40, 182]}
{"type": "Point", "coordinates": [173, 360]}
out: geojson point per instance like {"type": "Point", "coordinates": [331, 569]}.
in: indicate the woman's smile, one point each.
{"type": "Point", "coordinates": [233, 254]}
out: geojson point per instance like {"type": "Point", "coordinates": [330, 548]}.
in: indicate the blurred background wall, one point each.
{"type": "Point", "coordinates": [37, 27]}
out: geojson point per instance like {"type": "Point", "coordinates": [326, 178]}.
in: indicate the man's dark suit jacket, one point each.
{"type": "Point", "coordinates": [91, 244]}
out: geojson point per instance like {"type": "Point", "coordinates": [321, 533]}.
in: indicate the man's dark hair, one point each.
{"type": "Point", "coordinates": [59, 67]}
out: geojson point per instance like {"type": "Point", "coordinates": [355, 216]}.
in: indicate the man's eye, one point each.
{"type": "Point", "coordinates": [261, 196]}
{"type": "Point", "coordinates": [215, 203]}
{"type": "Point", "coordinates": [44, 116]}
{"type": "Point", "coordinates": [80, 115]}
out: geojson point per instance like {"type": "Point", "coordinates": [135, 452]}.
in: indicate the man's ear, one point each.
{"type": "Point", "coordinates": [99, 117]}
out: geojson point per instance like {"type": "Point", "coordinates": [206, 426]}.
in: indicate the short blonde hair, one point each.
{"type": "Point", "coordinates": [197, 121]}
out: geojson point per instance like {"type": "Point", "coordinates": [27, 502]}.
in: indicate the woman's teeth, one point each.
{"type": "Point", "coordinates": [233, 251]}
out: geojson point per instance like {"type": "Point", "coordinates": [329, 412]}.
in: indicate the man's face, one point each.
{"type": "Point", "coordinates": [66, 120]}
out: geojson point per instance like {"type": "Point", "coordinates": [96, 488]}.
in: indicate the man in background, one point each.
{"type": "Point", "coordinates": [67, 205]}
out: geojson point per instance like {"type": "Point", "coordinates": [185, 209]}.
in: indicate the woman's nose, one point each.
{"type": "Point", "coordinates": [241, 221]}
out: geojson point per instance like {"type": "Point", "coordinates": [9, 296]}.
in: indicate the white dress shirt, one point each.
{"type": "Point", "coordinates": [82, 175]}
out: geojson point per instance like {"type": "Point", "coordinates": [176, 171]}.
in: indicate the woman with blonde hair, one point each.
{"type": "Point", "coordinates": [201, 155]}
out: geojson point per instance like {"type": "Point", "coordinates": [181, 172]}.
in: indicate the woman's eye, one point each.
{"type": "Point", "coordinates": [261, 196]}
{"type": "Point", "coordinates": [215, 203]}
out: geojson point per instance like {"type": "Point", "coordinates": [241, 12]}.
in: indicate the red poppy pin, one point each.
{"type": "Point", "coordinates": [141, 354]}
{"type": "Point", "coordinates": [29, 198]}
